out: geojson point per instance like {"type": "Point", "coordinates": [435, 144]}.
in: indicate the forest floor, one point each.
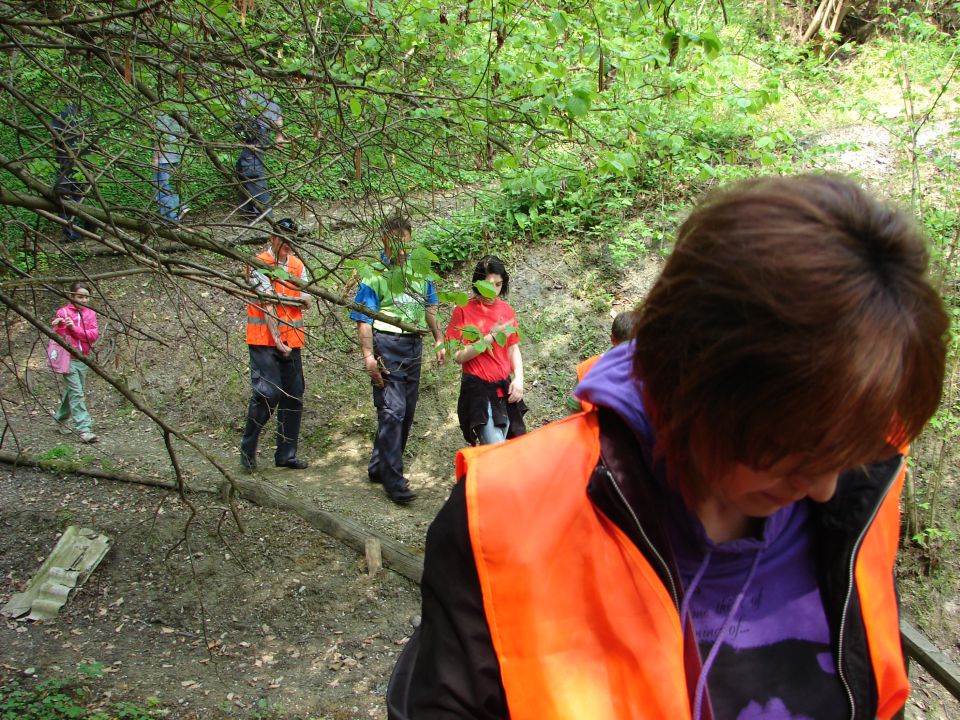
{"type": "Point", "coordinates": [282, 621]}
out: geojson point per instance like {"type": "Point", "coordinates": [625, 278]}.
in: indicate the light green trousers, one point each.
{"type": "Point", "coordinates": [74, 404]}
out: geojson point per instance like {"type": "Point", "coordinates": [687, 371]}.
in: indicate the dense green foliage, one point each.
{"type": "Point", "coordinates": [559, 100]}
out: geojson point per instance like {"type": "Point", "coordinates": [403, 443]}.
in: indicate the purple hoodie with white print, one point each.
{"type": "Point", "coordinates": [754, 603]}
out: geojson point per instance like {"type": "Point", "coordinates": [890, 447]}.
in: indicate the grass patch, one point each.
{"type": "Point", "coordinates": [57, 452]}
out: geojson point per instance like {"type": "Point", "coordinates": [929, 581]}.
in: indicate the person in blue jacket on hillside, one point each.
{"type": "Point", "coordinates": [260, 128]}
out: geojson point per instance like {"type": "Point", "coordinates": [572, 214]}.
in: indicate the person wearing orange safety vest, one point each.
{"type": "Point", "coordinates": [716, 539]}
{"type": "Point", "coordinates": [620, 332]}
{"type": "Point", "coordinates": [274, 338]}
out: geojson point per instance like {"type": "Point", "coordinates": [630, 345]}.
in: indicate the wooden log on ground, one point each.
{"type": "Point", "coordinates": [70, 467]}
{"type": "Point", "coordinates": [919, 648]}
{"type": "Point", "coordinates": [395, 556]}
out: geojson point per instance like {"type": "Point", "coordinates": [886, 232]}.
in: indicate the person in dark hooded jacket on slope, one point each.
{"type": "Point", "coordinates": [717, 538]}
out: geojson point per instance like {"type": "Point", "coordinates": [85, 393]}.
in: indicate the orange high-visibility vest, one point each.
{"type": "Point", "coordinates": [290, 317]}
{"type": "Point", "coordinates": [582, 369]}
{"type": "Point", "coordinates": [581, 624]}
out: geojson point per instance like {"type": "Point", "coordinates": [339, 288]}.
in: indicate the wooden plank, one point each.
{"type": "Point", "coordinates": [930, 657]}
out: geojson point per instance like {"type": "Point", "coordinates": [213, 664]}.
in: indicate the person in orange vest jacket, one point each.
{"type": "Point", "coordinates": [717, 538]}
{"type": "Point", "coordinates": [620, 332]}
{"type": "Point", "coordinates": [274, 338]}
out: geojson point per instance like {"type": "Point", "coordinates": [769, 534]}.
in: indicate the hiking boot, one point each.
{"type": "Point", "coordinates": [402, 495]}
{"type": "Point", "coordinates": [247, 464]}
{"type": "Point", "coordinates": [64, 429]}
{"type": "Point", "coordinates": [88, 437]}
{"type": "Point", "coordinates": [294, 463]}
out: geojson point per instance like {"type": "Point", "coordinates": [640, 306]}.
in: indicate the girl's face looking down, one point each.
{"type": "Point", "coordinates": [759, 493]}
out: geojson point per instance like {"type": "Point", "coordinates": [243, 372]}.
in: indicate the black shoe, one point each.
{"type": "Point", "coordinates": [373, 478]}
{"type": "Point", "coordinates": [294, 463]}
{"type": "Point", "coordinates": [246, 464]}
{"type": "Point", "coordinates": [401, 495]}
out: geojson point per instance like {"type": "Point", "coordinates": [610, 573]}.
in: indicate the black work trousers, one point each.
{"type": "Point", "coordinates": [255, 201]}
{"type": "Point", "coordinates": [277, 384]}
{"type": "Point", "coordinates": [69, 189]}
{"type": "Point", "coordinates": [396, 404]}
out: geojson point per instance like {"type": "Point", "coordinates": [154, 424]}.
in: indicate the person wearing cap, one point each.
{"type": "Point", "coordinates": [392, 356]}
{"type": "Point", "coordinates": [274, 337]}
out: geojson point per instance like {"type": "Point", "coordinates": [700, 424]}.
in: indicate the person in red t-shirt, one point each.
{"type": "Point", "coordinates": [490, 407]}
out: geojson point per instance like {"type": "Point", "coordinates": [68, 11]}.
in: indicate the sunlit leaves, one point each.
{"type": "Point", "coordinates": [454, 297]}
{"type": "Point", "coordinates": [486, 289]}
{"type": "Point", "coordinates": [577, 106]}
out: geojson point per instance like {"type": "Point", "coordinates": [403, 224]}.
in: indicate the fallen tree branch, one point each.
{"type": "Point", "coordinates": [72, 468]}
{"type": "Point", "coordinates": [265, 494]}
{"type": "Point", "coordinates": [350, 533]}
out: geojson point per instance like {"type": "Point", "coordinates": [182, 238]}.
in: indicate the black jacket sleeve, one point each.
{"type": "Point", "coordinates": [449, 670]}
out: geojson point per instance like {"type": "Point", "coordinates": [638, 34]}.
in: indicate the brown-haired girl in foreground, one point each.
{"type": "Point", "coordinates": [717, 538]}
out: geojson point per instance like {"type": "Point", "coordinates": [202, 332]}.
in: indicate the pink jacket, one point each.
{"type": "Point", "coordinates": [84, 332]}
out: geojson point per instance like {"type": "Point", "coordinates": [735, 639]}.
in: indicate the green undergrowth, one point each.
{"type": "Point", "coordinates": [69, 696]}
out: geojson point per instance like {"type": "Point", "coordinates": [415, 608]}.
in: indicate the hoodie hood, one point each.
{"type": "Point", "coordinates": [611, 384]}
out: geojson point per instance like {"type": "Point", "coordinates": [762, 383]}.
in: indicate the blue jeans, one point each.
{"type": "Point", "coordinates": [74, 404]}
{"type": "Point", "coordinates": [166, 196]}
{"type": "Point", "coordinates": [491, 434]}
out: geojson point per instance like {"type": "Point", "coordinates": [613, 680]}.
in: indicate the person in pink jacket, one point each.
{"type": "Point", "coordinates": [76, 323]}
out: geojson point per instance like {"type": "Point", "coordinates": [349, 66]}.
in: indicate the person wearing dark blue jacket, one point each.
{"type": "Point", "coordinates": [72, 143]}
{"type": "Point", "coordinates": [260, 128]}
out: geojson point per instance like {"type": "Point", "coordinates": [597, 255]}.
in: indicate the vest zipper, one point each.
{"type": "Point", "coordinates": [850, 581]}
{"type": "Point", "coordinates": [653, 551]}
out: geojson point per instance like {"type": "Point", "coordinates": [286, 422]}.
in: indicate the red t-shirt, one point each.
{"type": "Point", "coordinates": [494, 364]}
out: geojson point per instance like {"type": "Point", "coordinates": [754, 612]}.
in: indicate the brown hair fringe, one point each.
{"type": "Point", "coordinates": [794, 316]}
